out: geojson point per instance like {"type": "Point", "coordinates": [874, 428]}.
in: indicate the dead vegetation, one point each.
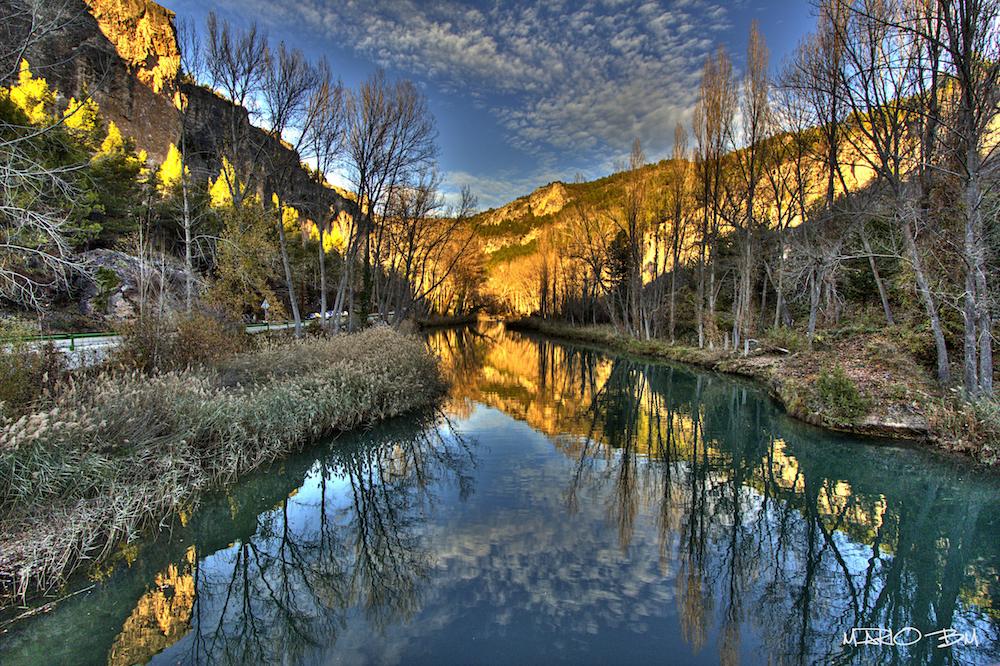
{"type": "Point", "coordinates": [120, 452]}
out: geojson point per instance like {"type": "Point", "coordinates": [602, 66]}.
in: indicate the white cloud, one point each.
{"type": "Point", "coordinates": [579, 79]}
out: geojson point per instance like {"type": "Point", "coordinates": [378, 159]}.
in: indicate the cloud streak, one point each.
{"type": "Point", "coordinates": [566, 81]}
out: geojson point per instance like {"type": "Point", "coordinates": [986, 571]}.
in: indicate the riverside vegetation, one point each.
{"type": "Point", "coordinates": [115, 452]}
{"type": "Point", "coordinates": [831, 230]}
{"type": "Point", "coordinates": [867, 385]}
{"type": "Point", "coordinates": [177, 253]}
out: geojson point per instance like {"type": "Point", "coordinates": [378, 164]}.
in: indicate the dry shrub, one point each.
{"type": "Point", "coordinates": [205, 338]}
{"type": "Point", "coordinates": [27, 371]}
{"type": "Point", "coordinates": [123, 451]}
{"type": "Point", "coordinates": [165, 343]}
{"type": "Point", "coordinates": [145, 343]}
{"type": "Point", "coordinates": [971, 426]}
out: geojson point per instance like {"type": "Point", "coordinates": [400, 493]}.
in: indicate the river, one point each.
{"type": "Point", "coordinates": [565, 504]}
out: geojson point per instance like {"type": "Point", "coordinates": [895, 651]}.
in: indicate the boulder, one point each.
{"type": "Point", "coordinates": [114, 281]}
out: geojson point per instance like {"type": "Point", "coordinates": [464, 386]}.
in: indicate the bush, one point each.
{"type": "Point", "coordinates": [27, 371]}
{"type": "Point", "coordinates": [786, 338]}
{"type": "Point", "coordinates": [144, 344]}
{"type": "Point", "coordinates": [180, 341]}
{"type": "Point", "coordinates": [205, 338]}
{"type": "Point", "coordinates": [838, 399]}
{"type": "Point", "coordinates": [970, 426]}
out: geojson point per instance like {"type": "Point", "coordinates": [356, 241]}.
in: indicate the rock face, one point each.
{"type": "Point", "coordinates": [209, 114]}
{"type": "Point", "coordinates": [125, 54]}
{"type": "Point", "coordinates": [546, 200]}
{"type": "Point", "coordinates": [78, 59]}
{"type": "Point", "coordinates": [113, 282]}
{"type": "Point", "coordinates": [144, 36]}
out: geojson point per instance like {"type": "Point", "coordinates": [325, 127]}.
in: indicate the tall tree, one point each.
{"type": "Point", "coordinates": [323, 141]}
{"type": "Point", "coordinates": [390, 135]}
{"type": "Point", "coordinates": [750, 163]}
{"type": "Point", "coordinates": [876, 81]}
{"type": "Point", "coordinates": [237, 63]}
{"type": "Point", "coordinates": [678, 193]}
{"type": "Point", "coordinates": [970, 43]}
{"type": "Point", "coordinates": [714, 116]}
{"type": "Point", "coordinates": [289, 82]}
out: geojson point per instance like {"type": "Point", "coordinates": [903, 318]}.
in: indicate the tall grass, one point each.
{"type": "Point", "coordinates": [123, 451]}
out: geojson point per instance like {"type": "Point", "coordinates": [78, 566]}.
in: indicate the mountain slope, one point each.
{"type": "Point", "coordinates": [124, 53]}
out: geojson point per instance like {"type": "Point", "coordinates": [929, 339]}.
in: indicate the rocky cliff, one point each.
{"type": "Point", "coordinates": [545, 200]}
{"type": "Point", "coordinates": [73, 52]}
{"type": "Point", "coordinates": [125, 54]}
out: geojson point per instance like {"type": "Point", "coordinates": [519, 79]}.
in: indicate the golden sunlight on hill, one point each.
{"type": "Point", "coordinates": [161, 617]}
{"type": "Point", "coordinates": [143, 34]}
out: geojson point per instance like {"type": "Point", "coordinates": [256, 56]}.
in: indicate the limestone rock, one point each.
{"type": "Point", "coordinates": [113, 283]}
{"type": "Point", "coordinates": [548, 200]}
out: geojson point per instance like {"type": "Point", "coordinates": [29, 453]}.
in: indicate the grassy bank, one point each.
{"type": "Point", "coordinates": [863, 384]}
{"type": "Point", "coordinates": [118, 453]}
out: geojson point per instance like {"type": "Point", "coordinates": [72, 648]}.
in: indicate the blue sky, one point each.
{"type": "Point", "coordinates": [529, 92]}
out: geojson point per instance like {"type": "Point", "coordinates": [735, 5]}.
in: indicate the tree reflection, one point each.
{"type": "Point", "coordinates": [775, 536]}
{"type": "Point", "coordinates": [770, 530]}
{"type": "Point", "coordinates": [350, 537]}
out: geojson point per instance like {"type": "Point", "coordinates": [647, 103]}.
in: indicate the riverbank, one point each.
{"type": "Point", "coordinates": [862, 385]}
{"type": "Point", "coordinates": [118, 453]}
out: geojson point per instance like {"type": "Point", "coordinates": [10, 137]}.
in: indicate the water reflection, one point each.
{"type": "Point", "coordinates": [348, 538]}
{"type": "Point", "coordinates": [770, 524]}
{"type": "Point", "coordinates": [569, 506]}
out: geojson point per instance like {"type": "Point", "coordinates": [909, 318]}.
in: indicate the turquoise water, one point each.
{"type": "Point", "coordinates": [564, 505]}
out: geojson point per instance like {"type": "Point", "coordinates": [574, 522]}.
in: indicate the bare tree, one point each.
{"type": "Point", "coordinates": [289, 82]}
{"type": "Point", "coordinates": [237, 64]}
{"type": "Point", "coordinates": [390, 135]}
{"type": "Point", "coordinates": [324, 142]}
{"type": "Point", "coordinates": [789, 180]}
{"type": "Point", "coordinates": [632, 221]}
{"type": "Point", "coordinates": [424, 241]}
{"type": "Point", "coordinates": [750, 163]}
{"type": "Point", "coordinates": [588, 239]}
{"type": "Point", "coordinates": [192, 65]}
{"type": "Point", "coordinates": [678, 193]}
{"type": "Point", "coordinates": [877, 75]}
{"type": "Point", "coordinates": [713, 127]}
{"type": "Point", "coordinates": [35, 197]}
{"type": "Point", "coordinates": [969, 41]}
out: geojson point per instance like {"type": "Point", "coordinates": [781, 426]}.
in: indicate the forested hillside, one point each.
{"type": "Point", "coordinates": [847, 202]}
{"type": "Point", "coordinates": [141, 143]}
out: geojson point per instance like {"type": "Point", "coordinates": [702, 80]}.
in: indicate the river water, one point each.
{"type": "Point", "coordinates": [564, 505]}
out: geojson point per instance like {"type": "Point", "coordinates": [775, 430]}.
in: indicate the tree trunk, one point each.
{"type": "Point", "coordinates": [878, 279]}
{"type": "Point", "coordinates": [673, 299]}
{"type": "Point", "coordinates": [188, 254]}
{"type": "Point", "coordinates": [814, 292]}
{"type": "Point", "coordinates": [700, 309]}
{"type": "Point", "coordinates": [978, 307]}
{"type": "Point", "coordinates": [943, 370]}
{"type": "Point", "coordinates": [322, 279]}
{"type": "Point", "coordinates": [289, 281]}
{"type": "Point", "coordinates": [970, 320]}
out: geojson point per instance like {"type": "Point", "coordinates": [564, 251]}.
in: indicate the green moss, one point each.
{"type": "Point", "coordinates": [107, 282]}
